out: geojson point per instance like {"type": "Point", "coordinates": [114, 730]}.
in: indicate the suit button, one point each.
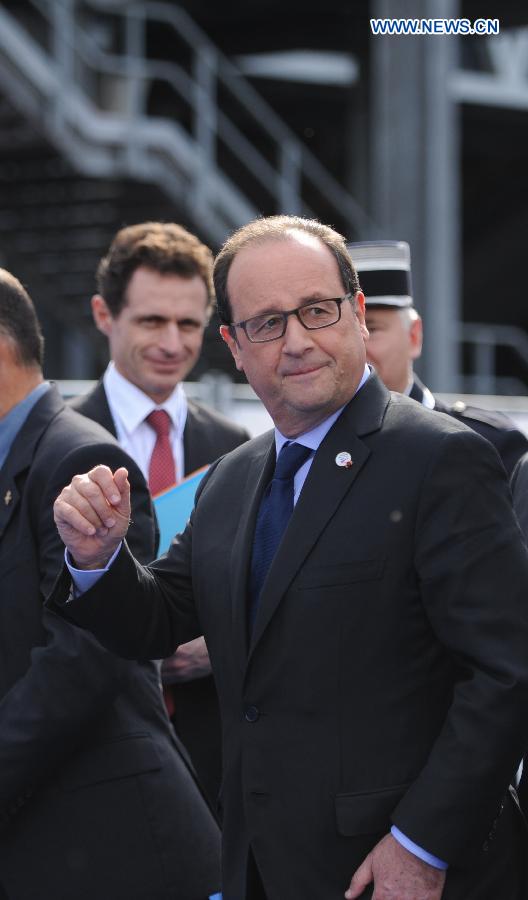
{"type": "Point", "coordinates": [251, 714]}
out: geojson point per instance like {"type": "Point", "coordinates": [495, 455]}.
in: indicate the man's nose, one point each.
{"type": "Point", "coordinates": [297, 338]}
{"type": "Point", "coordinates": [170, 338]}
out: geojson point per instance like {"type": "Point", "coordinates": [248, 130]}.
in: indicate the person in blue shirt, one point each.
{"type": "Point", "coordinates": [97, 797]}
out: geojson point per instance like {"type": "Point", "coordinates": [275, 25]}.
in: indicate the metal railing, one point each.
{"type": "Point", "coordinates": [91, 66]}
{"type": "Point", "coordinates": [484, 340]}
{"type": "Point", "coordinates": [84, 74]}
{"type": "Point", "coordinates": [240, 403]}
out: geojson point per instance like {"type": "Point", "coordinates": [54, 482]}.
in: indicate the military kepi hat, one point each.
{"type": "Point", "coordinates": [384, 270]}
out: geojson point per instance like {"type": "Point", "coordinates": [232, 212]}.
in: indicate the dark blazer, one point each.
{"type": "Point", "coordinates": [387, 675]}
{"type": "Point", "coordinates": [207, 436]}
{"type": "Point", "coordinates": [96, 798]}
{"type": "Point", "coordinates": [497, 428]}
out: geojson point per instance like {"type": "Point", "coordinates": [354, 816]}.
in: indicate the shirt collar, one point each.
{"type": "Point", "coordinates": [132, 406]}
{"type": "Point", "coordinates": [314, 437]}
{"type": "Point", "coordinates": [427, 400]}
{"type": "Point", "coordinates": [12, 422]}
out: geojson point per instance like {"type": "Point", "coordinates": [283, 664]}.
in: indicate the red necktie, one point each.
{"type": "Point", "coordinates": [162, 468]}
{"type": "Point", "coordinates": [162, 475]}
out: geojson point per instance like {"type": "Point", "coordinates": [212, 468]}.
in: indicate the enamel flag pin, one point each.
{"type": "Point", "coordinates": [8, 497]}
{"type": "Point", "coordinates": [344, 459]}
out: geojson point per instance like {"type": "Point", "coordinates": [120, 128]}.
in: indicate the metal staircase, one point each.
{"type": "Point", "coordinates": [83, 72]}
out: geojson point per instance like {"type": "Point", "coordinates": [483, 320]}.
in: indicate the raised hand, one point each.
{"type": "Point", "coordinates": [92, 515]}
{"type": "Point", "coordinates": [397, 875]}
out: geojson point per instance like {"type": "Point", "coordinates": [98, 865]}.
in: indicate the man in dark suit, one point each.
{"type": "Point", "coordinates": [97, 799]}
{"type": "Point", "coordinates": [154, 301]}
{"type": "Point", "coordinates": [370, 658]}
{"type": "Point", "coordinates": [395, 342]}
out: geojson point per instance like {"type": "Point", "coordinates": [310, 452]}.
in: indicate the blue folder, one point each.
{"type": "Point", "coordinates": [174, 506]}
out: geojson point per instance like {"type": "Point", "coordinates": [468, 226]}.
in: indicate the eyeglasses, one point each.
{"type": "Point", "coordinates": [272, 326]}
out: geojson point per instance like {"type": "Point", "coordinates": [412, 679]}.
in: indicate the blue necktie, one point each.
{"type": "Point", "coordinates": [275, 510]}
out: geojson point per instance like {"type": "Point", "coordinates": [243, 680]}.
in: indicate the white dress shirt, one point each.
{"type": "Point", "coordinates": [129, 407]}
{"type": "Point", "coordinates": [427, 400]}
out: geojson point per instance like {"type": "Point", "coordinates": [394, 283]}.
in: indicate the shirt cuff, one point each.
{"type": "Point", "coordinates": [84, 579]}
{"type": "Point", "coordinates": [416, 850]}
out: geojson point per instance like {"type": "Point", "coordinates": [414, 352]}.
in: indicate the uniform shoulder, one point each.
{"type": "Point", "coordinates": [432, 421]}
{"type": "Point", "coordinates": [497, 428]}
{"type": "Point", "coordinates": [493, 418]}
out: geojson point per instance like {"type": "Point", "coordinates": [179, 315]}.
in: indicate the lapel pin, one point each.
{"type": "Point", "coordinates": [344, 459]}
{"type": "Point", "coordinates": [8, 497]}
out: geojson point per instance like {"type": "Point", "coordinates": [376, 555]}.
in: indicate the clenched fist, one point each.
{"type": "Point", "coordinates": [92, 515]}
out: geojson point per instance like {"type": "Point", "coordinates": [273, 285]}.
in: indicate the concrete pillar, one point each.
{"type": "Point", "coordinates": [414, 171]}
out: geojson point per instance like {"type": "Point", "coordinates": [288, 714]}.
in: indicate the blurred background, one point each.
{"type": "Point", "coordinates": [114, 112]}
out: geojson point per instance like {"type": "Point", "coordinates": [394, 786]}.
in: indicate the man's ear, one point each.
{"type": "Point", "coordinates": [227, 336]}
{"type": "Point", "coordinates": [416, 338]}
{"type": "Point", "coordinates": [360, 313]}
{"type": "Point", "coordinates": [101, 314]}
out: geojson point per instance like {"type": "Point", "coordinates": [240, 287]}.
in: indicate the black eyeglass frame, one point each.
{"type": "Point", "coordinates": [284, 314]}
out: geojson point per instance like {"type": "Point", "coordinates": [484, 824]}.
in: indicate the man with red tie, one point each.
{"type": "Point", "coordinates": [153, 303]}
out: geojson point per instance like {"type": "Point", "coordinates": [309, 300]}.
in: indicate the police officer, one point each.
{"type": "Point", "coordinates": [396, 335]}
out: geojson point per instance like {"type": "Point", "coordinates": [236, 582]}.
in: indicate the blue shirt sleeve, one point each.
{"type": "Point", "coordinates": [416, 850]}
{"type": "Point", "coordinates": [84, 579]}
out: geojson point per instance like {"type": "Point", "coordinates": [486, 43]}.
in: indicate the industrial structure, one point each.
{"type": "Point", "coordinates": [113, 112]}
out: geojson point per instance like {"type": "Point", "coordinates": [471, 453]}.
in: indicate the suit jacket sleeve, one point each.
{"type": "Point", "coordinates": [473, 571]}
{"type": "Point", "coordinates": [161, 612]}
{"type": "Point", "coordinates": [71, 680]}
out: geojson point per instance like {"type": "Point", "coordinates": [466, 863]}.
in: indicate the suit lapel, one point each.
{"type": "Point", "coordinates": [195, 446]}
{"type": "Point", "coordinates": [325, 488]}
{"type": "Point", "coordinates": [22, 451]}
{"type": "Point", "coordinates": [260, 472]}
